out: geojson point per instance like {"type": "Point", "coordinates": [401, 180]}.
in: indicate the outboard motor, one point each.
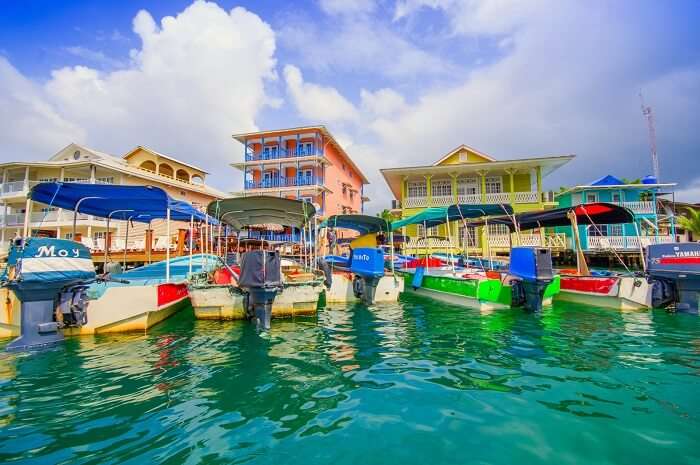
{"type": "Point", "coordinates": [533, 268]}
{"type": "Point", "coordinates": [261, 279]}
{"type": "Point", "coordinates": [49, 277]}
{"type": "Point", "coordinates": [368, 266]}
{"type": "Point", "coordinates": [674, 272]}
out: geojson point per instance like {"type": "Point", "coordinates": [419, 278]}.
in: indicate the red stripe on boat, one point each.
{"type": "Point", "coordinates": [169, 293]}
{"type": "Point", "coordinates": [680, 261]}
{"type": "Point", "coordinates": [588, 284]}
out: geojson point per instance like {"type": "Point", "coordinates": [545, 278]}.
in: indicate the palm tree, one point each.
{"type": "Point", "coordinates": [386, 215]}
{"type": "Point", "coordinates": [691, 222]}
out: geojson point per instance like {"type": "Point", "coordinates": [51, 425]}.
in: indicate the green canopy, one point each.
{"type": "Point", "coordinates": [241, 212]}
{"type": "Point", "coordinates": [364, 224]}
{"type": "Point", "coordinates": [439, 215]}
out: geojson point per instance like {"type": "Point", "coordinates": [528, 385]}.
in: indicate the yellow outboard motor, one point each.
{"type": "Point", "coordinates": [49, 278]}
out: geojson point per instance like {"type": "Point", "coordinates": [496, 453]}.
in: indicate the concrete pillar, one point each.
{"type": "Point", "coordinates": [482, 174]}
{"type": "Point", "coordinates": [62, 174]}
{"type": "Point", "coordinates": [26, 178]}
{"type": "Point", "coordinates": [511, 174]}
{"type": "Point", "coordinates": [404, 189]}
{"type": "Point", "coordinates": [538, 174]}
{"type": "Point", "coordinates": [453, 177]}
{"type": "Point", "coordinates": [92, 174]}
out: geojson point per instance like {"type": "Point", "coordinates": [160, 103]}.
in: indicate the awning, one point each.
{"type": "Point", "coordinates": [241, 212]}
{"type": "Point", "coordinates": [438, 215]}
{"type": "Point", "coordinates": [138, 203]}
{"type": "Point", "coordinates": [364, 224]}
{"type": "Point", "coordinates": [590, 213]}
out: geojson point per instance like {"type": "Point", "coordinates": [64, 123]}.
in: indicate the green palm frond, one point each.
{"type": "Point", "coordinates": [690, 221]}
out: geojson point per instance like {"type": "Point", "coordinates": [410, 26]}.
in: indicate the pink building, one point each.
{"type": "Point", "coordinates": [302, 163]}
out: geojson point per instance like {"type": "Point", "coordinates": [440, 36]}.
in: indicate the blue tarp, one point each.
{"type": "Point", "coordinates": [140, 203]}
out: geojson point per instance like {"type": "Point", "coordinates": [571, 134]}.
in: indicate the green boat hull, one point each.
{"type": "Point", "coordinates": [485, 294]}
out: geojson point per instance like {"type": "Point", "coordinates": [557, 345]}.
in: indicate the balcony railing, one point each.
{"type": "Point", "coordinates": [625, 242]}
{"type": "Point", "coordinates": [640, 207]}
{"type": "Point", "coordinates": [47, 218]}
{"type": "Point", "coordinates": [273, 236]}
{"type": "Point", "coordinates": [282, 153]}
{"type": "Point", "coordinates": [472, 199]}
{"type": "Point", "coordinates": [284, 182]}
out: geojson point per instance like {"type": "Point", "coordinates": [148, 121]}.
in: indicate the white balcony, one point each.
{"type": "Point", "coordinates": [625, 242]}
{"type": "Point", "coordinates": [641, 207]}
{"type": "Point", "coordinates": [51, 218]}
{"type": "Point", "coordinates": [472, 199]}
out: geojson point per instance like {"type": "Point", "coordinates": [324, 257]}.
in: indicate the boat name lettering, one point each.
{"type": "Point", "coordinates": [688, 253]}
{"type": "Point", "coordinates": [362, 257]}
{"type": "Point", "coordinates": [50, 251]}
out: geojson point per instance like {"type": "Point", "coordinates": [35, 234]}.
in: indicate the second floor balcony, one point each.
{"type": "Point", "coordinates": [474, 199]}
{"type": "Point", "coordinates": [276, 153]}
{"type": "Point", "coordinates": [282, 181]}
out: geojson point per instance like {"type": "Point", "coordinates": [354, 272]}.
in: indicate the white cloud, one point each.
{"type": "Point", "coordinates": [31, 128]}
{"type": "Point", "coordinates": [315, 102]}
{"type": "Point", "coordinates": [689, 193]}
{"type": "Point", "coordinates": [94, 56]}
{"type": "Point", "coordinates": [333, 7]}
{"type": "Point", "coordinates": [383, 102]}
{"type": "Point", "coordinates": [197, 78]}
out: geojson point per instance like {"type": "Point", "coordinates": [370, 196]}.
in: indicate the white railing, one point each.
{"type": "Point", "coordinates": [526, 197]}
{"type": "Point", "coordinates": [17, 219]}
{"type": "Point", "coordinates": [625, 242]}
{"type": "Point", "coordinates": [500, 197]}
{"type": "Point", "coordinates": [644, 207]}
{"type": "Point", "coordinates": [415, 202]}
{"type": "Point", "coordinates": [442, 200]}
{"type": "Point", "coordinates": [470, 199]}
{"type": "Point", "coordinates": [432, 242]}
{"type": "Point", "coordinates": [13, 187]}
{"type": "Point", "coordinates": [555, 241]}
{"type": "Point", "coordinates": [499, 240]}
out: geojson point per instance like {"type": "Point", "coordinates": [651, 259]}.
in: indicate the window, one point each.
{"type": "Point", "coordinates": [105, 180]}
{"type": "Point", "coordinates": [615, 230]}
{"type": "Point", "coordinates": [441, 188]}
{"type": "Point", "coordinates": [72, 179]}
{"type": "Point", "coordinates": [270, 151]}
{"type": "Point", "coordinates": [431, 231]}
{"type": "Point", "coordinates": [48, 179]}
{"type": "Point", "coordinates": [307, 199]}
{"type": "Point", "coordinates": [306, 173]}
{"type": "Point", "coordinates": [616, 198]}
{"type": "Point", "coordinates": [494, 185]}
{"type": "Point", "coordinates": [417, 189]}
{"type": "Point", "coordinates": [306, 148]}
{"type": "Point", "coordinates": [468, 186]}
{"type": "Point", "coordinates": [590, 197]}
{"type": "Point", "coordinates": [68, 236]}
{"type": "Point", "coordinates": [463, 156]}
{"type": "Point", "coordinates": [467, 236]}
{"type": "Point", "coordinates": [99, 235]}
{"type": "Point", "coordinates": [498, 230]}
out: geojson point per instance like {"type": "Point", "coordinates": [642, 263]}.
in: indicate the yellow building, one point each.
{"type": "Point", "coordinates": [76, 163]}
{"type": "Point", "coordinates": [467, 176]}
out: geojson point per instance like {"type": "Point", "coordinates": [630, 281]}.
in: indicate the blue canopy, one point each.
{"type": "Point", "coordinates": [138, 203]}
{"type": "Point", "coordinates": [439, 215]}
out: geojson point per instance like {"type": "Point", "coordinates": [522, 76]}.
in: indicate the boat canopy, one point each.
{"type": "Point", "coordinates": [589, 213]}
{"type": "Point", "coordinates": [439, 215]}
{"type": "Point", "coordinates": [242, 212]}
{"type": "Point", "coordinates": [364, 224]}
{"type": "Point", "coordinates": [137, 203]}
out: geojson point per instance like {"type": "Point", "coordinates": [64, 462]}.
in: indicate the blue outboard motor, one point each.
{"type": "Point", "coordinates": [367, 264]}
{"type": "Point", "coordinates": [261, 279]}
{"type": "Point", "coordinates": [533, 268]}
{"type": "Point", "coordinates": [49, 278]}
{"type": "Point", "coordinates": [674, 271]}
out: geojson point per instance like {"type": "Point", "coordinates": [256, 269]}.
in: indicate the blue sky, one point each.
{"type": "Point", "coordinates": [398, 82]}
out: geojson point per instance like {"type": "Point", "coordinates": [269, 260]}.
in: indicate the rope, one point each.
{"type": "Point", "coordinates": [601, 234]}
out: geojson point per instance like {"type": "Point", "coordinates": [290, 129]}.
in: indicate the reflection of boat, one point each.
{"type": "Point", "coordinates": [262, 285]}
{"type": "Point", "coordinates": [529, 282]}
{"type": "Point", "coordinates": [362, 275]}
{"type": "Point", "coordinates": [142, 297]}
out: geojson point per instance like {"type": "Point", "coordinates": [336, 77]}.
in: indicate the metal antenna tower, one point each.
{"type": "Point", "coordinates": [649, 115]}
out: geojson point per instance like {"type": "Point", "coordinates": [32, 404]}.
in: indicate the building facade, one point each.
{"type": "Point", "coordinates": [652, 224]}
{"type": "Point", "coordinates": [76, 163]}
{"type": "Point", "coordinates": [305, 163]}
{"type": "Point", "coordinates": [468, 176]}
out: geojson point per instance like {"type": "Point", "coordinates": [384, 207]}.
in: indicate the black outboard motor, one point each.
{"type": "Point", "coordinates": [368, 266]}
{"type": "Point", "coordinates": [533, 268]}
{"type": "Point", "coordinates": [261, 279]}
{"type": "Point", "coordinates": [49, 278]}
{"type": "Point", "coordinates": [674, 271]}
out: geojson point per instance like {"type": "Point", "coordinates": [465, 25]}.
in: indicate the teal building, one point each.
{"type": "Point", "coordinates": [651, 225]}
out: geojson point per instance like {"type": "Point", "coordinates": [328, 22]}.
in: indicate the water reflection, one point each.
{"type": "Point", "coordinates": [429, 380]}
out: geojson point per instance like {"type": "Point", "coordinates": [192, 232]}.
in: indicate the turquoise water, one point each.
{"type": "Point", "coordinates": [413, 383]}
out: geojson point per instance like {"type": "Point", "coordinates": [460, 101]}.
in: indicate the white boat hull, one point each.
{"type": "Point", "coordinates": [618, 293]}
{"type": "Point", "coordinates": [341, 291]}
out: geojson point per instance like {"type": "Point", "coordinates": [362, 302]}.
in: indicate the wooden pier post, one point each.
{"type": "Point", "coordinates": [181, 236]}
